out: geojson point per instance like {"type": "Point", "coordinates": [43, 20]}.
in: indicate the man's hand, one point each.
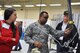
{"type": "Point", "coordinates": [67, 31]}
{"type": "Point", "coordinates": [37, 44]}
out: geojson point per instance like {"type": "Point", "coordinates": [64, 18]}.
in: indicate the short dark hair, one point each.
{"type": "Point", "coordinates": [66, 12]}
{"type": "Point", "coordinates": [43, 13]}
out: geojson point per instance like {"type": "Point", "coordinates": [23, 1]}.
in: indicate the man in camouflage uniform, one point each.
{"type": "Point", "coordinates": [37, 34]}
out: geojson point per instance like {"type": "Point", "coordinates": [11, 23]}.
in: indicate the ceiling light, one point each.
{"type": "Point", "coordinates": [29, 5]}
{"type": "Point", "coordinates": [77, 3]}
{"type": "Point", "coordinates": [16, 5]}
{"type": "Point", "coordinates": [41, 5]}
{"type": "Point", "coordinates": [55, 4]}
{"type": "Point", "coordinates": [8, 6]}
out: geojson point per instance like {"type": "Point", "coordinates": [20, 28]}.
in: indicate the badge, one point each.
{"type": "Point", "coordinates": [4, 25]}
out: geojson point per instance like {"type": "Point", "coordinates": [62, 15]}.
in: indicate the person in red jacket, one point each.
{"type": "Point", "coordinates": [9, 35]}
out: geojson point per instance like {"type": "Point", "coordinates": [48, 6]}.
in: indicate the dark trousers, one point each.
{"type": "Point", "coordinates": [59, 48]}
{"type": "Point", "coordinates": [78, 48]}
{"type": "Point", "coordinates": [16, 47]}
{"type": "Point", "coordinates": [62, 49]}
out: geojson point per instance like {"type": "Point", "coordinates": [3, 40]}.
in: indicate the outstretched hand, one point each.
{"type": "Point", "coordinates": [67, 31]}
{"type": "Point", "coordinates": [38, 44]}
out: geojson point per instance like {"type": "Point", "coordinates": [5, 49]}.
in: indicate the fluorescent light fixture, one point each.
{"type": "Point", "coordinates": [55, 4]}
{"type": "Point", "coordinates": [16, 5]}
{"type": "Point", "coordinates": [41, 5]}
{"type": "Point", "coordinates": [8, 6]}
{"type": "Point", "coordinates": [77, 3]}
{"type": "Point", "coordinates": [29, 5]}
{"type": "Point", "coordinates": [0, 6]}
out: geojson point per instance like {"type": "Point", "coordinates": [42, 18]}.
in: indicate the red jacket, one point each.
{"type": "Point", "coordinates": [6, 36]}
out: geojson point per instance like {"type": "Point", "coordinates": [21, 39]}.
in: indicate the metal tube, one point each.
{"type": "Point", "coordinates": [69, 10]}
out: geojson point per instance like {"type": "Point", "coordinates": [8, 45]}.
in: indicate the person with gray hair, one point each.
{"type": "Point", "coordinates": [62, 26]}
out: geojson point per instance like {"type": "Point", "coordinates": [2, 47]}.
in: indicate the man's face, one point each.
{"type": "Point", "coordinates": [66, 18]}
{"type": "Point", "coordinates": [43, 19]}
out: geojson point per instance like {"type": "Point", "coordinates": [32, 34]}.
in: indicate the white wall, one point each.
{"type": "Point", "coordinates": [33, 13]}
